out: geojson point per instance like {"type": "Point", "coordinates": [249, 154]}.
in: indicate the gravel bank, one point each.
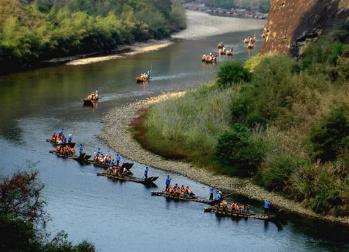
{"type": "Point", "coordinates": [117, 134]}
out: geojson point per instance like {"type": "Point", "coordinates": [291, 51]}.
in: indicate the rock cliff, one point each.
{"type": "Point", "coordinates": [291, 23]}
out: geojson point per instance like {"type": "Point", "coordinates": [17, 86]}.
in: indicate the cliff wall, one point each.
{"type": "Point", "coordinates": [291, 23]}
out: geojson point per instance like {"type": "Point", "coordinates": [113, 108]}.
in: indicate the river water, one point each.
{"type": "Point", "coordinates": [124, 216]}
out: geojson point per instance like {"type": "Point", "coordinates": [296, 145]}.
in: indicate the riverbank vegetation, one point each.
{"type": "Point", "coordinates": [256, 5]}
{"type": "Point", "coordinates": [285, 124]}
{"type": "Point", "coordinates": [23, 218]}
{"type": "Point", "coordinates": [33, 31]}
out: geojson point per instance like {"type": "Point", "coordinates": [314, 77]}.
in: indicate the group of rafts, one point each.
{"type": "Point", "coordinates": [228, 51]}
{"type": "Point", "coordinates": [64, 148]}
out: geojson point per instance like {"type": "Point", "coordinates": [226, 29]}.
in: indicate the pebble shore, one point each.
{"type": "Point", "coordinates": [117, 133]}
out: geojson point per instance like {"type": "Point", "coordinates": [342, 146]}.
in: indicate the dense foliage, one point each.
{"type": "Point", "coordinates": [293, 125]}
{"type": "Point", "coordinates": [46, 29]}
{"type": "Point", "coordinates": [260, 5]}
{"type": "Point", "coordinates": [23, 218]}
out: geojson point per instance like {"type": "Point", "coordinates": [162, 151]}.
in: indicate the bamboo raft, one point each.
{"type": "Point", "coordinates": [72, 145]}
{"type": "Point", "coordinates": [146, 181]}
{"type": "Point", "coordinates": [81, 160]}
{"type": "Point", "coordinates": [104, 166]}
{"type": "Point", "coordinates": [220, 211]}
{"type": "Point", "coordinates": [175, 197]}
{"type": "Point", "coordinates": [89, 103]}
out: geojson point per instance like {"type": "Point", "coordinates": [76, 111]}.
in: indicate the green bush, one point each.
{"type": "Point", "coordinates": [276, 175]}
{"type": "Point", "coordinates": [331, 135]}
{"type": "Point", "coordinates": [232, 73]}
{"type": "Point", "coordinates": [237, 149]}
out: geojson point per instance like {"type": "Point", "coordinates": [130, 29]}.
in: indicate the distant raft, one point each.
{"type": "Point", "coordinates": [209, 59]}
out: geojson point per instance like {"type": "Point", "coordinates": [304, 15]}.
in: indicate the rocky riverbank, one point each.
{"type": "Point", "coordinates": [117, 133]}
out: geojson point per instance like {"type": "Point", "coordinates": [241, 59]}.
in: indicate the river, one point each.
{"type": "Point", "coordinates": [124, 216]}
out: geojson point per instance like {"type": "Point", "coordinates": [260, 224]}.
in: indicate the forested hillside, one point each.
{"type": "Point", "coordinates": [31, 31]}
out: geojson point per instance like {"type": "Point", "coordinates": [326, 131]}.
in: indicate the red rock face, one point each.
{"type": "Point", "coordinates": [292, 22]}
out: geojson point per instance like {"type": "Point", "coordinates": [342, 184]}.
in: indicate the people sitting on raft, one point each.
{"type": "Point", "coordinates": [93, 96]}
{"type": "Point", "coordinates": [145, 76]}
{"type": "Point", "coordinates": [182, 192]}
{"type": "Point", "coordinates": [117, 170]}
{"type": "Point", "coordinates": [234, 207]}
{"type": "Point", "coordinates": [101, 158]}
{"type": "Point", "coordinates": [65, 150]}
{"type": "Point", "coordinates": [58, 139]}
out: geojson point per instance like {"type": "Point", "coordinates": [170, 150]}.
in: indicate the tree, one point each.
{"type": "Point", "coordinates": [331, 136]}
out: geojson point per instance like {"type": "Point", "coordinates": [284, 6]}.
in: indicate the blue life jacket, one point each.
{"type": "Point", "coordinates": [218, 197]}
{"type": "Point", "coordinates": [168, 181]}
{"type": "Point", "coordinates": [266, 204]}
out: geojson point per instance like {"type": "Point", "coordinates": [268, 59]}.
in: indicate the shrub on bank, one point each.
{"type": "Point", "coordinates": [331, 135]}
{"type": "Point", "coordinates": [232, 73]}
{"type": "Point", "coordinates": [236, 148]}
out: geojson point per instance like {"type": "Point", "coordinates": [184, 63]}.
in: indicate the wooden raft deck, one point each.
{"type": "Point", "coordinates": [174, 197]}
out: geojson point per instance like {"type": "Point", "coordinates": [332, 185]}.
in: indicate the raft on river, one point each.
{"type": "Point", "coordinates": [182, 198]}
{"type": "Point", "coordinates": [105, 166]}
{"type": "Point", "coordinates": [221, 211]}
{"type": "Point", "coordinates": [81, 159]}
{"type": "Point", "coordinates": [146, 181]}
{"type": "Point", "coordinates": [89, 102]}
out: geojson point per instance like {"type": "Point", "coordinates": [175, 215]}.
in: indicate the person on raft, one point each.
{"type": "Point", "coordinates": [218, 198]}
{"type": "Point", "coordinates": [211, 193]}
{"type": "Point", "coordinates": [266, 206]}
{"type": "Point", "coordinates": [117, 158]}
{"type": "Point", "coordinates": [81, 150]}
{"type": "Point", "coordinates": [146, 172]}
{"type": "Point", "coordinates": [70, 138]}
{"type": "Point", "coordinates": [168, 182]}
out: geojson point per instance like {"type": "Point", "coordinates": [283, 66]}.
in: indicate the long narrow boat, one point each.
{"type": "Point", "coordinates": [105, 166]}
{"type": "Point", "coordinates": [55, 144]}
{"type": "Point", "coordinates": [146, 181]}
{"type": "Point", "coordinates": [178, 197]}
{"type": "Point", "coordinates": [220, 211]}
{"type": "Point", "coordinates": [82, 160]}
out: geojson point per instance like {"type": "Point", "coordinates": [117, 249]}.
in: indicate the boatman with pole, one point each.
{"type": "Point", "coordinates": [211, 193]}
{"type": "Point", "coordinates": [117, 158]}
{"type": "Point", "coordinates": [70, 138]}
{"type": "Point", "coordinates": [146, 172]}
{"type": "Point", "coordinates": [266, 206]}
{"type": "Point", "coordinates": [168, 182]}
{"type": "Point", "coordinates": [81, 150]}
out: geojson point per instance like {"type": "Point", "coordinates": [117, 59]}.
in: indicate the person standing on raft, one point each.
{"type": "Point", "coordinates": [146, 172]}
{"type": "Point", "coordinates": [211, 193]}
{"type": "Point", "coordinates": [117, 158]}
{"type": "Point", "coordinates": [168, 182]}
{"type": "Point", "coordinates": [266, 206]}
